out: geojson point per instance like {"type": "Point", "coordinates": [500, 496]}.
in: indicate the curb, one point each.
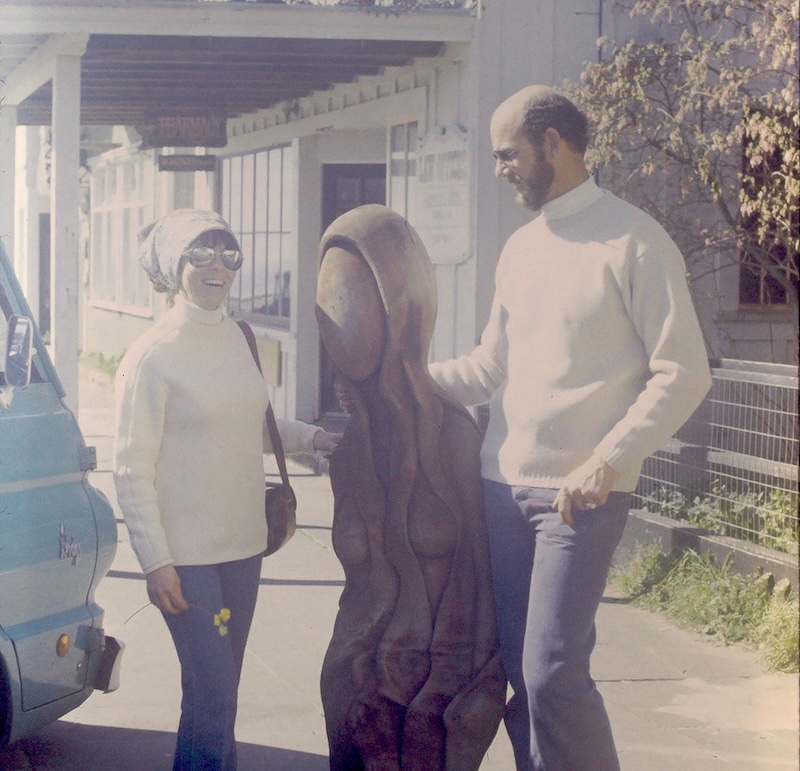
{"type": "Point", "coordinates": [644, 527]}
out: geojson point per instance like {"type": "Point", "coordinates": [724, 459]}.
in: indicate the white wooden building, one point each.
{"type": "Point", "coordinates": [325, 105]}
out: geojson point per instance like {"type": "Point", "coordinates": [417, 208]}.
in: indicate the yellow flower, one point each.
{"type": "Point", "coordinates": [221, 620]}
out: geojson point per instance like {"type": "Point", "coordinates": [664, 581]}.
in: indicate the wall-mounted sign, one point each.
{"type": "Point", "coordinates": [208, 129]}
{"type": "Point", "coordinates": [187, 162]}
{"type": "Point", "coordinates": [442, 215]}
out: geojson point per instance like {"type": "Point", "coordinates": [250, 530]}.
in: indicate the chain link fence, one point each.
{"type": "Point", "coordinates": [732, 469]}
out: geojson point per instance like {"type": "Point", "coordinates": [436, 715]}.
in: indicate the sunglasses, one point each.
{"type": "Point", "coordinates": [202, 256]}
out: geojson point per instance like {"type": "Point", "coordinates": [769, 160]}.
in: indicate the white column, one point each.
{"type": "Point", "coordinates": [309, 206]}
{"type": "Point", "coordinates": [8, 130]}
{"type": "Point", "coordinates": [64, 225]}
{"type": "Point", "coordinates": [26, 237]}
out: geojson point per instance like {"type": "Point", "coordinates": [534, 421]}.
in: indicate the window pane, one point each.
{"type": "Point", "coordinates": [274, 280]}
{"type": "Point", "coordinates": [289, 207]}
{"type": "Point", "coordinates": [260, 187]}
{"type": "Point", "coordinates": [111, 182]}
{"type": "Point", "coordinates": [289, 268]}
{"type": "Point", "coordinates": [398, 138]}
{"type": "Point", "coordinates": [275, 174]}
{"type": "Point", "coordinates": [248, 165]}
{"type": "Point", "coordinates": [184, 190]}
{"type": "Point", "coordinates": [235, 220]}
{"type": "Point", "coordinates": [98, 264]}
{"type": "Point", "coordinates": [225, 203]}
{"type": "Point", "coordinates": [260, 271]}
{"type": "Point", "coordinates": [109, 288]}
{"type": "Point", "coordinates": [246, 271]}
{"type": "Point", "coordinates": [98, 188]}
{"type": "Point", "coordinates": [128, 288]}
{"type": "Point", "coordinates": [142, 282]}
{"type": "Point", "coordinates": [261, 182]}
{"type": "Point", "coordinates": [412, 137]}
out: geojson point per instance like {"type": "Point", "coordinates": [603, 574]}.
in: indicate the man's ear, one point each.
{"type": "Point", "coordinates": [552, 143]}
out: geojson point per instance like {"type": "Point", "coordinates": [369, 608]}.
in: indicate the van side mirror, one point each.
{"type": "Point", "coordinates": [19, 349]}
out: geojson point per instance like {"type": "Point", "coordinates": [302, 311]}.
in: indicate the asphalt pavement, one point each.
{"type": "Point", "coordinates": [676, 699]}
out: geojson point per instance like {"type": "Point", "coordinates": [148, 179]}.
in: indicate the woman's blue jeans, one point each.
{"type": "Point", "coordinates": [211, 650]}
{"type": "Point", "coordinates": [548, 581]}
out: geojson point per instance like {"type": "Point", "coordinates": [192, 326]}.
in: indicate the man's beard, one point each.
{"type": "Point", "coordinates": [533, 191]}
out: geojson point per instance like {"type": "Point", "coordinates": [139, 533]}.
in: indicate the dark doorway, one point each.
{"type": "Point", "coordinates": [345, 186]}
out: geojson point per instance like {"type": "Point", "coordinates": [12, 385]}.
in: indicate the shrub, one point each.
{"type": "Point", "coordinates": [697, 593]}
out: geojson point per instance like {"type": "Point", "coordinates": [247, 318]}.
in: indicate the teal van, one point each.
{"type": "Point", "coordinates": [58, 537]}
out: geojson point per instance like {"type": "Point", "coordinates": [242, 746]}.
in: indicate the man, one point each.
{"type": "Point", "coordinates": [591, 359]}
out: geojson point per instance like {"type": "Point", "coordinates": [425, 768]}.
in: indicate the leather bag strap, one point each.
{"type": "Point", "coordinates": [272, 426]}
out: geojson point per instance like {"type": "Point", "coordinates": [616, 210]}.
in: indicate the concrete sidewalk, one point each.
{"type": "Point", "coordinates": [676, 701]}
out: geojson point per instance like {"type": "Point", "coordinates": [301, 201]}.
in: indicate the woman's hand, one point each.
{"type": "Point", "coordinates": [344, 396]}
{"type": "Point", "coordinates": [164, 590]}
{"type": "Point", "coordinates": [325, 441]}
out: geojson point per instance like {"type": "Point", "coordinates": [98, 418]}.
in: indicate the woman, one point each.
{"type": "Point", "coordinates": [412, 676]}
{"type": "Point", "coordinates": [189, 471]}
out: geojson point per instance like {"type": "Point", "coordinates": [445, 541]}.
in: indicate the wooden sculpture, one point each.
{"type": "Point", "coordinates": [412, 676]}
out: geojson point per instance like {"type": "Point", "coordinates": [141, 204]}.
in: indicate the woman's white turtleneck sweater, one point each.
{"type": "Point", "coordinates": [189, 441]}
{"type": "Point", "coordinates": [592, 344]}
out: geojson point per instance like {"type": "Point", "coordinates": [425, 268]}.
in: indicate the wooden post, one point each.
{"type": "Point", "coordinates": [8, 130]}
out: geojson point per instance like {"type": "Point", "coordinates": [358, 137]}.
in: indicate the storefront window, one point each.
{"type": "Point", "coordinates": [258, 202]}
{"type": "Point", "coordinates": [121, 202]}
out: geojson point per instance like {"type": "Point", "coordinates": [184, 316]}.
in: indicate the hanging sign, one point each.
{"type": "Point", "coordinates": [208, 129]}
{"type": "Point", "coordinates": [442, 212]}
{"type": "Point", "coordinates": [187, 162]}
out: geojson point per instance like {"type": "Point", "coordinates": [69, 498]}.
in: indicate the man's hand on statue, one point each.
{"type": "Point", "coordinates": [344, 395]}
{"type": "Point", "coordinates": [325, 441]}
{"type": "Point", "coordinates": [586, 487]}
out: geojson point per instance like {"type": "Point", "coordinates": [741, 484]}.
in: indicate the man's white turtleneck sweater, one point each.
{"type": "Point", "coordinates": [189, 441]}
{"type": "Point", "coordinates": [592, 345]}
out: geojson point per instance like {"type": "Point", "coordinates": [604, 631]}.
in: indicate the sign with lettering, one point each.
{"type": "Point", "coordinates": [442, 218]}
{"type": "Point", "coordinates": [208, 129]}
{"type": "Point", "coordinates": [187, 162]}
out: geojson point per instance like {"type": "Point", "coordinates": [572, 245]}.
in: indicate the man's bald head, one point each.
{"type": "Point", "coordinates": [534, 109]}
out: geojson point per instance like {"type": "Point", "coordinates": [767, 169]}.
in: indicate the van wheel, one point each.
{"type": "Point", "coordinates": [5, 701]}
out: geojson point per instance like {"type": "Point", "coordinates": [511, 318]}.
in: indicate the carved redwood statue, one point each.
{"type": "Point", "coordinates": [412, 676]}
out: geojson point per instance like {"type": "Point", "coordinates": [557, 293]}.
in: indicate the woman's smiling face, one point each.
{"type": "Point", "coordinates": [208, 286]}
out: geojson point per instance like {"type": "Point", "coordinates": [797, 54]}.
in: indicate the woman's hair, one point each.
{"type": "Point", "coordinates": [210, 236]}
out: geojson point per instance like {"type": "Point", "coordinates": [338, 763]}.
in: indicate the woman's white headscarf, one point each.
{"type": "Point", "coordinates": [162, 243]}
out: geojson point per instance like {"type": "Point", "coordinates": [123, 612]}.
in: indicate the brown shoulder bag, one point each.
{"type": "Point", "coordinates": [280, 503]}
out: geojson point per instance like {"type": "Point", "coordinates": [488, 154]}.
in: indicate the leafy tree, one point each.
{"type": "Point", "coordinates": [698, 123]}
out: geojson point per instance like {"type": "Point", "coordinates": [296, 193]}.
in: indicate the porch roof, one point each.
{"type": "Point", "coordinates": [181, 57]}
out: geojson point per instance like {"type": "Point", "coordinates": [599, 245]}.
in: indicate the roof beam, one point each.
{"type": "Point", "coordinates": [40, 66]}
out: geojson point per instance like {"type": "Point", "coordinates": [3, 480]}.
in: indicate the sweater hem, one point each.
{"type": "Point", "coordinates": [623, 484]}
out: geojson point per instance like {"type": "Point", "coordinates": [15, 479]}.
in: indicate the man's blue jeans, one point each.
{"type": "Point", "coordinates": [548, 580]}
{"type": "Point", "coordinates": [211, 650]}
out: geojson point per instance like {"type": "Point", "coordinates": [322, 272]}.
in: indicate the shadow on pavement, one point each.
{"type": "Point", "coordinates": [65, 745]}
{"type": "Point", "coordinates": [128, 574]}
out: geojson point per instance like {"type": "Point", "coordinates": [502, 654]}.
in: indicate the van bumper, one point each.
{"type": "Point", "coordinates": [108, 673]}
